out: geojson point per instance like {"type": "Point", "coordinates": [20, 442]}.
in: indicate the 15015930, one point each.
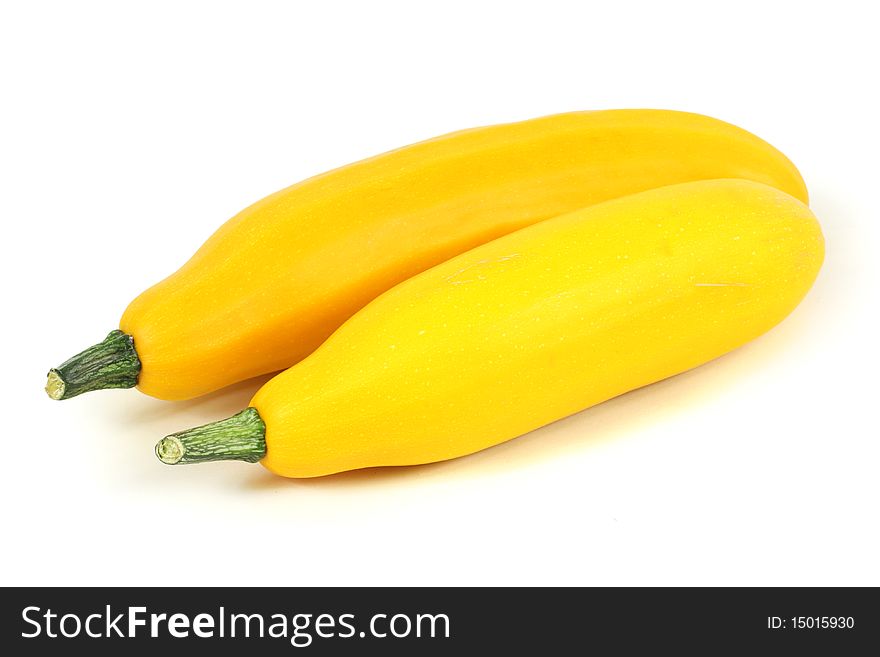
{"type": "Point", "coordinates": [822, 622]}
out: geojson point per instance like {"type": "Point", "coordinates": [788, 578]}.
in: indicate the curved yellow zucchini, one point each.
{"type": "Point", "coordinates": [270, 285]}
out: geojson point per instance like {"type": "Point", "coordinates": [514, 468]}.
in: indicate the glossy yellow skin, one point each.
{"type": "Point", "coordinates": [275, 281]}
{"type": "Point", "coordinates": [540, 324]}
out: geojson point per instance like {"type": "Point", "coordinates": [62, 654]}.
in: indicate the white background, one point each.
{"type": "Point", "coordinates": [130, 131]}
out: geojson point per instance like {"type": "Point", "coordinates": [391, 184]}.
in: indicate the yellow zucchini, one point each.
{"type": "Point", "coordinates": [528, 329]}
{"type": "Point", "coordinates": [269, 287]}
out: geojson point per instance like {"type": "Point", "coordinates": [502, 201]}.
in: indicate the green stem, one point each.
{"type": "Point", "coordinates": [241, 437]}
{"type": "Point", "coordinates": [113, 363]}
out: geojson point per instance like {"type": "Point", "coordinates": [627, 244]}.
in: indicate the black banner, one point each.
{"type": "Point", "coordinates": [438, 621]}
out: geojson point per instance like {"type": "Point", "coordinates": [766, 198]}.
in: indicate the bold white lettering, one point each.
{"type": "Point", "coordinates": [154, 623]}
{"type": "Point", "coordinates": [203, 626]}
{"type": "Point", "coordinates": [178, 626]}
{"type": "Point", "coordinates": [134, 621]}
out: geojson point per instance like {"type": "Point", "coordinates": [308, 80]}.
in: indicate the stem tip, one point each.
{"type": "Point", "coordinates": [241, 437]}
{"type": "Point", "coordinates": [169, 450]}
{"type": "Point", "coordinates": [112, 363]}
{"type": "Point", "coordinates": [55, 385]}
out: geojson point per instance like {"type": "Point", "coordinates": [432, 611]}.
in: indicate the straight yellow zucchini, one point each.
{"type": "Point", "coordinates": [530, 328]}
